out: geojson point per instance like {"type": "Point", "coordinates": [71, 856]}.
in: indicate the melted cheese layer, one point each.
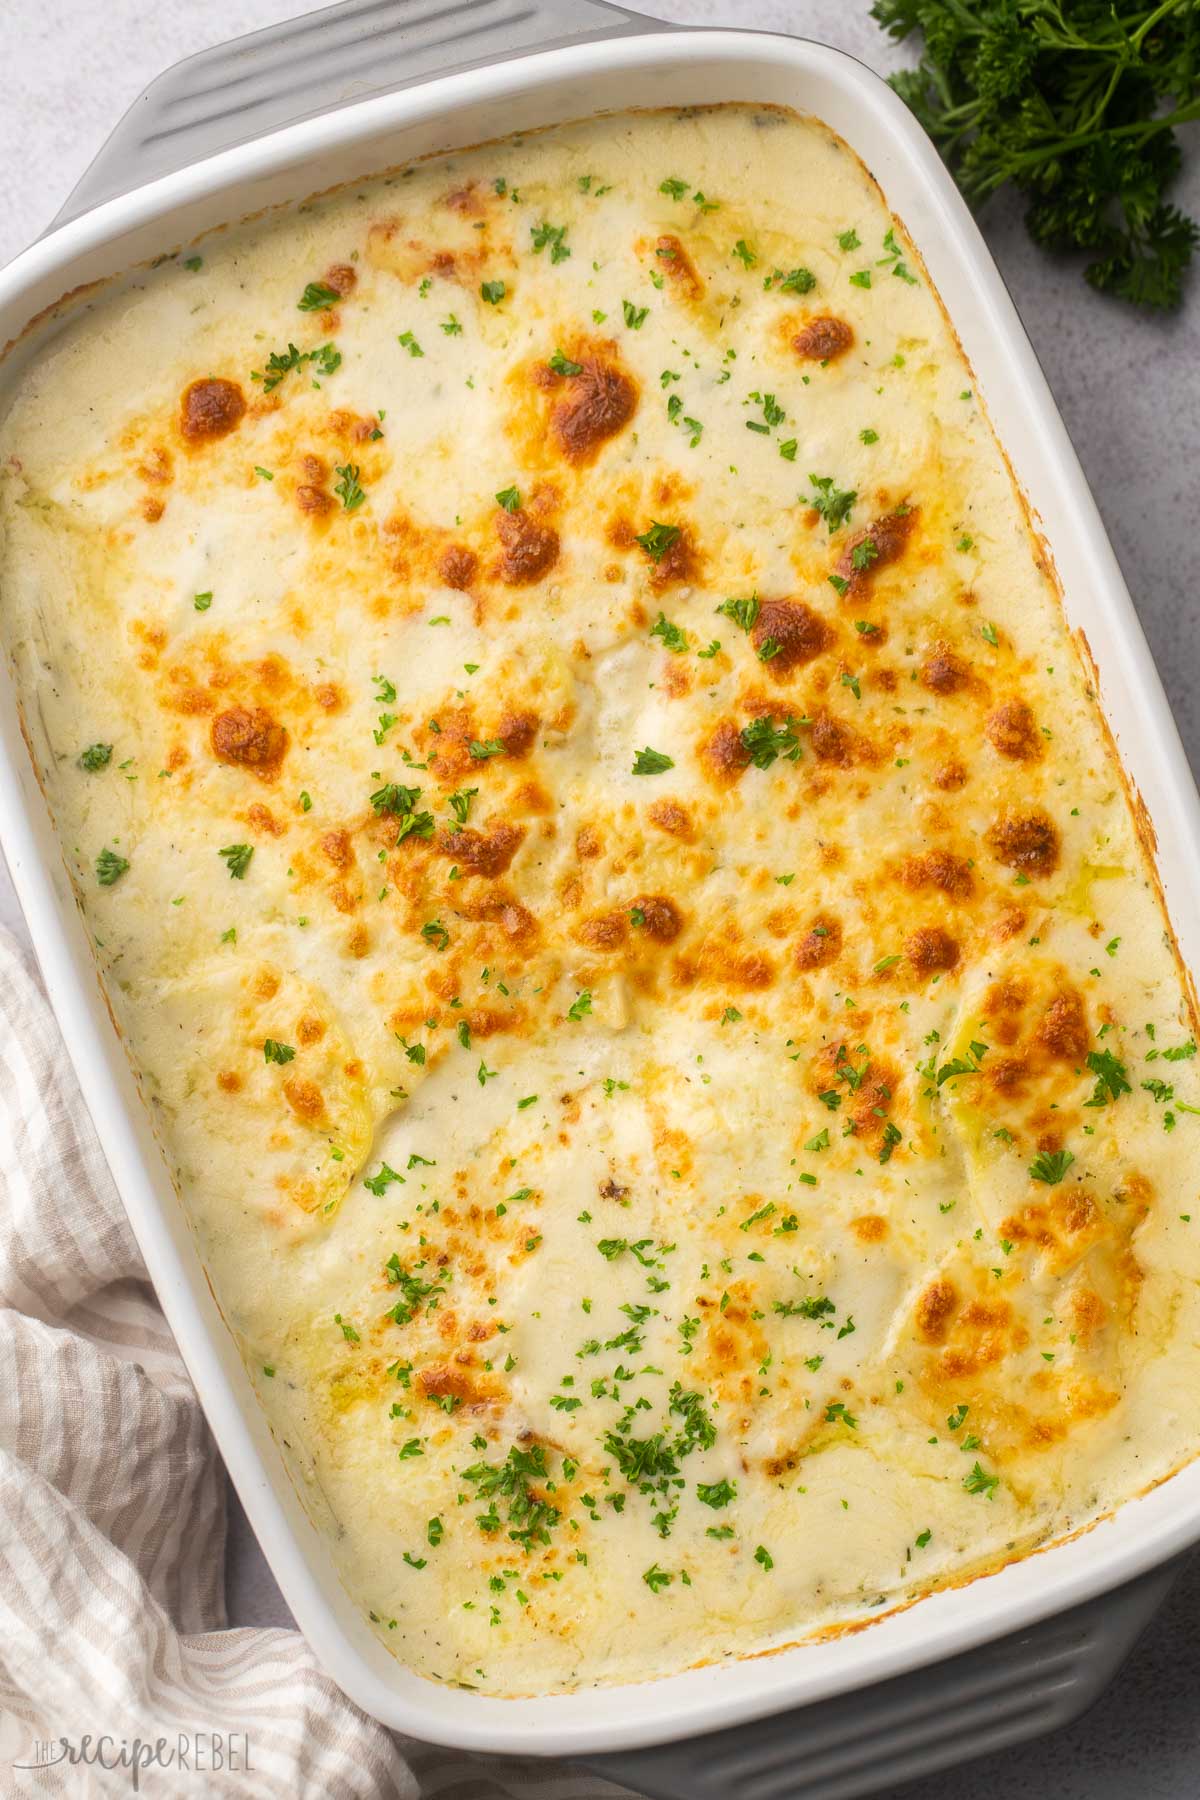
{"type": "Point", "coordinates": [617, 889]}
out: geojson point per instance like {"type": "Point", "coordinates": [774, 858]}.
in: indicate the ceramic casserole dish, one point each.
{"type": "Point", "coordinates": [363, 87]}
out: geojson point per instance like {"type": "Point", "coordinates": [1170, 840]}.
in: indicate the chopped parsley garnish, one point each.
{"type": "Point", "coordinates": [716, 1493]}
{"type": "Point", "coordinates": [811, 1307]}
{"type": "Point", "coordinates": [657, 540]}
{"type": "Point", "coordinates": [744, 254]}
{"type": "Point", "coordinates": [482, 750]}
{"type": "Point", "coordinates": [743, 612]}
{"type": "Point", "coordinates": [202, 602]}
{"type": "Point", "coordinates": [763, 1558]}
{"type": "Point", "coordinates": [656, 1579]}
{"type": "Point", "coordinates": [395, 798]}
{"type": "Point", "coordinates": [275, 1052]}
{"type": "Point", "coordinates": [635, 316]}
{"type": "Point", "coordinates": [831, 502]}
{"type": "Point", "coordinates": [413, 1291]}
{"type": "Point", "coordinates": [773, 414]}
{"type": "Point", "coordinates": [96, 756]}
{"type": "Point", "coordinates": [562, 365]}
{"type": "Point", "coordinates": [980, 1482]}
{"type": "Point", "coordinates": [493, 292]}
{"type": "Point", "coordinates": [796, 281]}
{"type": "Point", "coordinates": [868, 436]}
{"type": "Point", "coordinates": [1111, 1078]}
{"type": "Point", "coordinates": [892, 256]}
{"type": "Point", "coordinates": [553, 236]}
{"type": "Point", "coordinates": [849, 240]}
{"type": "Point", "coordinates": [110, 867]}
{"type": "Point", "coordinates": [347, 489]}
{"type": "Point", "coordinates": [380, 1182]}
{"type": "Point", "coordinates": [652, 762]}
{"type": "Point", "coordinates": [460, 803]}
{"type": "Point", "coordinates": [530, 1518]}
{"type": "Point", "coordinates": [580, 1006]}
{"type": "Point", "coordinates": [408, 342]}
{"type": "Point", "coordinates": [510, 499]}
{"type": "Point", "coordinates": [764, 741]}
{"type": "Point", "coordinates": [675, 189]}
{"type": "Point", "coordinates": [960, 1065]}
{"type": "Point", "coordinates": [451, 327]}
{"type": "Point", "coordinates": [434, 932]}
{"type": "Point", "coordinates": [327, 359]}
{"type": "Point", "coordinates": [237, 859]}
{"type": "Point", "coordinates": [398, 802]}
{"type": "Point", "coordinates": [1050, 1166]}
{"type": "Point", "coordinates": [316, 297]}
{"type": "Point", "coordinates": [671, 635]}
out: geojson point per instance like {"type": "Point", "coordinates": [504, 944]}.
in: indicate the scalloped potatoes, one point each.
{"type": "Point", "coordinates": [618, 893]}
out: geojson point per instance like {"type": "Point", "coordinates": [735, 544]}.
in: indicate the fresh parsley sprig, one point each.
{"type": "Point", "coordinates": [1077, 105]}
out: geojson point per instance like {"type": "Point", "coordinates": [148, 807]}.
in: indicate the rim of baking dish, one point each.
{"type": "Point", "coordinates": [1144, 1531]}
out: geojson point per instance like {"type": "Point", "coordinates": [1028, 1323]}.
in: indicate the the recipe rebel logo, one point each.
{"type": "Point", "coordinates": [135, 1762]}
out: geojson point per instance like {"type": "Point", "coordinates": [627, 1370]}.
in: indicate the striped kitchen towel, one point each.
{"type": "Point", "coordinates": [113, 1633]}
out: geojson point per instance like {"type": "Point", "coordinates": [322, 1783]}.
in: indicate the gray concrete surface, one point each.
{"type": "Point", "coordinates": [1129, 389]}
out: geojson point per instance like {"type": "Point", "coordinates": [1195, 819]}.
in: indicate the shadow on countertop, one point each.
{"type": "Point", "coordinates": [1106, 1754]}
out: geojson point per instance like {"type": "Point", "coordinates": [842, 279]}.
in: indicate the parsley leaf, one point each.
{"type": "Point", "coordinates": [237, 859]}
{"type": "Point", "coordinates": [672, 636]}
{"type": "Point", "coordinates": [347, 489]}
{"type": "Point", "coordinates": [657, 539]}
{"type": "Point", "coordinates": [831, 502]}
{"type": "Point", "coordinates": [316, 297]}
{"type": "Point", "coordinates": [1111, 1078]}
{"type": "Point", "coordinates": [1080, 118]}
{"type": "Point", "coordinates": [980, 1482]}
{"type": "Point", "coordinates": [110, 867]}
{"type": "Point", "coordinates": [1050, 1166]}
{"type": "Point", "coordinates": [764, 741]}
{"type": "Point", "coordinates": [652, 762]}
{"type": "Point", "coordinates": [327, 359]}
{"type": "Point", "coordinates": [544, 235]}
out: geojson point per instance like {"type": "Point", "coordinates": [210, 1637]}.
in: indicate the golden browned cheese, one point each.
{"type": "Point", "coordinates": [615, 885]}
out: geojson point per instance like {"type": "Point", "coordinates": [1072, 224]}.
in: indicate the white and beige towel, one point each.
{"type": "Point", "coordinates": [112, 1515]}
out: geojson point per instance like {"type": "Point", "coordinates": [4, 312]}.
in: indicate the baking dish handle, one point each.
{"type": "Point", "coordinates": [990, 1699]}
{"type": "Point", "coordinates": [256, 84]}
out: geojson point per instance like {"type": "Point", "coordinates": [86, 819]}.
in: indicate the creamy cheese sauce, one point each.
{"type": "Point", "coordinates": [616, 887]}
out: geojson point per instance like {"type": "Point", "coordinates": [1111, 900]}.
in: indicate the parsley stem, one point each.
{"type": "Point", "coordinates": [1045, 151]}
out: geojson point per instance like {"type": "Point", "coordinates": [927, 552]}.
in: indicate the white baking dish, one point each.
{"type": "Point", "coordinates": [620, 63]}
